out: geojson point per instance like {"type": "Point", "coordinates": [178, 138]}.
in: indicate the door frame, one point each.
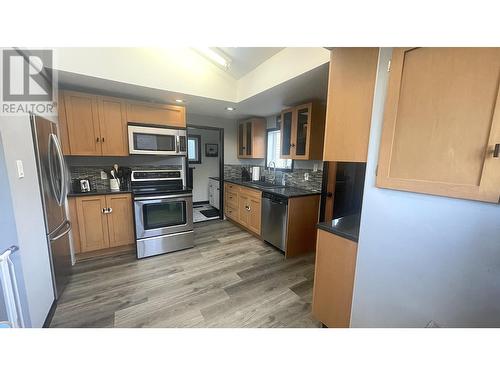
{"type": "Point", "coordinates": [221, 162]}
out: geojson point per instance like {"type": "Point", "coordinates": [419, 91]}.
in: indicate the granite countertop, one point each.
{"type": "Point", "coordinates": [215, 178]}
{"type": "Point", "coordinates": [284, 191]}
{"type": "Point", "coordinates": [347, 227]}
{"type": "Point", "coordinates": [97, 192]}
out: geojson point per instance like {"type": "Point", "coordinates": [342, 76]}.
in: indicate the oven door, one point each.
{"type": "Point", "coordinates": [153, 141]}
{"type": "Point", "coordinates": [160, 215]}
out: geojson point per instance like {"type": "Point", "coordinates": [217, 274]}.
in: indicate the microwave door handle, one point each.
{"type": "Point", "coordinates": [177, 144]}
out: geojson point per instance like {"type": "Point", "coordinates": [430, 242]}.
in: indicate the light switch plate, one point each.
{"type": "Point", "coordinates": [20, 169]}
{"type": "Point", "coordinates": [104, 176]}
{"type": "Point", "coordinates": [306, 176]}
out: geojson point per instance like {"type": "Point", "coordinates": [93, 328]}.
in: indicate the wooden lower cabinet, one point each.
{"type": "Point", "coordinates": [243, 205]}
{"type": "Point", "coordinates": [92, 223]}
{"type": "Point", "coordinates": [103, 221]}
{"type": "Point", "coordinates": [120, 220]}
{"type": "Point", "coordinates": [334, 279]}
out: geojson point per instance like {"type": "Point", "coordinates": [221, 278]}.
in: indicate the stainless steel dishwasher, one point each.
{"type": "Point", "coordinates": [274, 219]}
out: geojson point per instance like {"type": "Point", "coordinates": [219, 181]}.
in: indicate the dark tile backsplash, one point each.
{"type": "Point", "coordinates": [295, 178]}
{"type": "Point", "coordinates": [93, 173]}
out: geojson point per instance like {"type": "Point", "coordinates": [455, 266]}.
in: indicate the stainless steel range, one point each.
{"type": "Point", "coordinates": [163, 211]}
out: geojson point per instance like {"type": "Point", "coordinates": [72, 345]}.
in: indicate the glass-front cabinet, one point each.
{"type": "Point", "coordinates": [302, 132]}
{"type": "Point", "coordinates": [286, 133]}
{"type": "Point", "coordinates": [251, 138]}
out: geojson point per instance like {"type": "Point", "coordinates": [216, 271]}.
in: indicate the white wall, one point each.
{"type": "Point", "coordinates": [230, 133]}
{"type": "Point", "coordinates": [423, 257]}
{"type": "Point", "coordinates": [172, 69]}
{"type": "Point", "coordinates": [209, 166]}
{"type": "Point", "coordinates": [27, 206]}
{"type": "Point", "coordinates": [285, 65]}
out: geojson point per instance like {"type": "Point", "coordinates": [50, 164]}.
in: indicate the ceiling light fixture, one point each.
{"type": "Point", "coordinates": [215, 55]}
{"type": "Point", "coordinates": [230, 108]}
{"type": "Point", "coordinates": [179, 100]}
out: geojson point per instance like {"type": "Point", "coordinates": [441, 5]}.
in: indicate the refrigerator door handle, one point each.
{"type": "Point", "coordinates": [54, 142]}
{"type": "Point", "coordinates": [67, 224]}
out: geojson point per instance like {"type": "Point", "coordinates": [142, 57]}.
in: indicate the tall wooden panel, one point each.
{"type": "Point", "coordinates": [334, 279]}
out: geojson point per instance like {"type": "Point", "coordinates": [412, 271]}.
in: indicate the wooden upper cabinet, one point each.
{"type": "Point", "coordinates": [120, 219]}
{"type": "Point", "coordinates": [286, 131]}
{"type": "Point", "coordinates": [251, 139]}
{"type": "Point", "coordinates": [349, 107]}
{"type": "Point", "coordinates": [82, 121]}
{"type": "Point", "coordinates": [156, 114]}
{"type": "Point", "coordinates": [302, 132]}
{"type": "Point", "coordinates": [113, 126]}
{"type": "Point", "coordinates": [63, 126]}
{"type": "Point", "coordinates": [442, 123]}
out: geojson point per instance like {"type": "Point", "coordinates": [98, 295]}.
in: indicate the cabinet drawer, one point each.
{"type": "Point", "coordinates": [252, 193]}
{"type": "Point", "coordinates": [231, 187]}
{"type": "Point", "coordinates": [231, 199]}
{"type": "Point", "coordinates": [231, 212]}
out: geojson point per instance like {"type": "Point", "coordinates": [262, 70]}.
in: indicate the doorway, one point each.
{"type": "Point", "coordinates": [205, 169]}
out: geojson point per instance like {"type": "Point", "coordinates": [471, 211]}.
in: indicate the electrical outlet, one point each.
{"type": "Point", "coordinates": [104, 176]}
{"type": "Point", "coordinates": [306, 176]}
{"type": "Point", "coordinates": [315, 167]}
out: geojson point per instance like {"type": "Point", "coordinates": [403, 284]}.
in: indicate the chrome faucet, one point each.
{"type": "Point", "coordinates": [274, 170]}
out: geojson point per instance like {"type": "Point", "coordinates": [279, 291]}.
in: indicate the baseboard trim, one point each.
{"type": "Point", "coordinates": [50, 315]}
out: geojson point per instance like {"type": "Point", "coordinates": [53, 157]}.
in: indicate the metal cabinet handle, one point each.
{"type": "Point", "coordinates": [496, 151]}
{"type": "Point", "coordinates": [103, 210]}
{"type": "Point", "coordinates": [110, 210]}
{"type": "Point", "coordinates": [102, 139]}
{"type": "Point", "coordinates": [248, 208]}
{"type": "Point", "coordinates": [97, 140]}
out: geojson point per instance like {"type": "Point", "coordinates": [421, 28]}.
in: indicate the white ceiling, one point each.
{"type": "Point", "coordinates": [307, 86]}
{"type": "Point", "coordinates": [246, 59]}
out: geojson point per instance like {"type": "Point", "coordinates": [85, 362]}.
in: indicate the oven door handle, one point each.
{"type": "Point", "coordinates": [149, 197]}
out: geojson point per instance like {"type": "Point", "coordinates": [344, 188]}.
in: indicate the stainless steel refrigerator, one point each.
{"type": "Point", "coordinates": [52, 176]}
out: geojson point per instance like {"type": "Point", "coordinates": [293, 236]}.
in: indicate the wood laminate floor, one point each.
{"type": "Point", "coordinates": [229, 279]}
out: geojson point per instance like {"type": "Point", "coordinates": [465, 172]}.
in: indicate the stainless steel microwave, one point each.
{"type": "Point", "coordinates": [150, 140]}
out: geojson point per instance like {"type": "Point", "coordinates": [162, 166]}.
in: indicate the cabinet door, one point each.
{"type": "Point", "coordinates": [241, 140]}
{"type": "Point", "coordinates": [113, 126]}
{"type": "Point", "coordinates": [442, 122]}
{"type": "Point", "coordinates": [92, 223]}
{"type": "Point", "coordinates": [243, 206]}
{"type": "Point", "coordinates": [302, 131]}
{"type": "Point", "coordinates": [120, 219]}
{"type": "Point", "coordinates": [156, 114]}
{"type": "Point", "coordinates": [350, 99]}
{"type": "Point", "coordinates": [248, 138]}
{"type": "Point", "coordinates": [83, 123]}
{"type": "Point", "coordinates": [254, 214]}
{"type": "Point", "coordinates": [334, 280]}
{"type": "Point", "coordinates": [63, 126]}
{"type": "Point", "coordinates": [286, 134]}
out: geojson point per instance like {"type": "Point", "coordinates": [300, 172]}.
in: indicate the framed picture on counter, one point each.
{"type": "Point", "coordinates": [211, 150]}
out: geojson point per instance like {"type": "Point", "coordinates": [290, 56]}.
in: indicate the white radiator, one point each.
{"type": "Point", "coordinates": [10, 291]}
